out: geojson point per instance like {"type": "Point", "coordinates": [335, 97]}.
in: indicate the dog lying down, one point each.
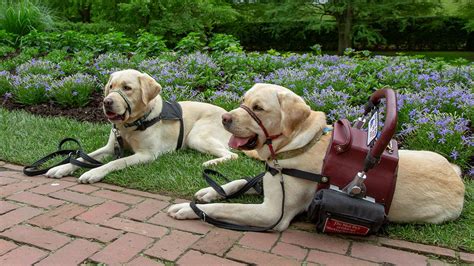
{"type": "Point", "coordinates": [131, 96]}
{"type": "Point", "coordinates": [428, 190]}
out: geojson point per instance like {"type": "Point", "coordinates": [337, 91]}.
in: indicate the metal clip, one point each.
{"type": "Point", "coordinates": [390, 147]}
{"type": "Point", "coordinates": [279, 169]}
{"type": "Point", "coordinates": [356, 187]}
{"type": "Point", "coordinates": [203, 216]}
{"type": "Point", "coordinates": [359, 122]}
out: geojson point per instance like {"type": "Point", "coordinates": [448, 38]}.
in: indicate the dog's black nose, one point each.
{"type": "Point", "coordinates": [226, 119]}
{"type": "Point", "coordinates": [108, 102]}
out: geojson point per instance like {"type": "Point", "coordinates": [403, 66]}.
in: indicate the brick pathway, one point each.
{"type": "Point", "coordinates": [46, 221]}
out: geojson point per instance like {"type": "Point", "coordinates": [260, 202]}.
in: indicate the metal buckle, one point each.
{"type": "Point", "coordinates": [278, 167]}
{"type": "Point", "coordinates": [203, 216]}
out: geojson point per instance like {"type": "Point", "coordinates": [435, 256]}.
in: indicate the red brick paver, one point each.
{"type": "Point", "coordinates": [35, 200]}
{"type": "Point", "coordinates": [86, 230]}
{"type": "Point", "coordinates": [17, 216]}
{"type": "Point", "coordinates": [145, 209]}
{"type": "Point", "coordinates": [103, 212]}
{"type": "Point", "coordinates": [52, 187]}
{"type": "Point", "coordinates": [117, 196]}
{"type": "Point", "coordinates": [72, 254]}
{"type": "Point", "coordinates": [23, 255]}
{"type": "Point", "coordinates": [57, 216]}
{"type": "Point", "coordinates": [7, 206]}
{"type": "Point", "coordinates": [6, 246]}
{"type": "Point", "coordinates": [193, 257]}
{"type": "Point", "coordinates": [217, 241]}
{"type": "Point", "coordinates": [143, 261]}
{"type": "Point", "coordinates": [123, 249]}
{"type": "Point", "coordinates": [261, 241]}
{"type": "Point", "coordinates": [59, 222]}
{"type": "Point", "coordinates": [78, 198]}
{"type": "Point", "coordinates": [327, 258]}
{"type": "Point", "coordinates": [289, 250]}
{"type": "Point", "coordinates": [194, 226]}
{"type": "Point", "coordinates": [382, 254]}
{"type": "Point", "coordinates": [36, 236]}
{"type": "Point", "coordinates": [259, 257]}
{"type": "Point", "coordinates": [172, 245]}
{"type": "Point", "coordinates": [145, 229]}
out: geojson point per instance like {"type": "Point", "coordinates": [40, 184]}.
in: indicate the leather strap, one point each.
{"type": "Point", "coordinates": [299, 174]}
{"type": "Point", "coordinates": [268, 138]}
{"type": "Point", "coordinates": [169, 111]}
{"type": "Point", "coordinates": [237, 227]}
{"type": "Point", "coordinates": [253, 182]}
{"type": "Point", "coordinates": [72, 155]}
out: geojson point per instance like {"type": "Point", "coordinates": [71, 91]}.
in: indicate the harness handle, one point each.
{"type": "Point", "coordinates": [389, 127]}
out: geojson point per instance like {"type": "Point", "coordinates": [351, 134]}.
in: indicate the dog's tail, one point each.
{"type": "Point", "coordinates": [457, 169]}
{"type": "Point", "coordinates": [252, 154]}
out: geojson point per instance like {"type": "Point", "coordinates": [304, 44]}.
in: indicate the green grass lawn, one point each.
{"type": "Point", "coordinates": [24, 138]}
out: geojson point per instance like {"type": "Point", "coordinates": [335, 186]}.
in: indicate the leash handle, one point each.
{"type": "Point", "coordinates": [237, 227]}
{"type": "Point", "coordinates": [72, 155]}
{"type": "Point", "coordinates": [252, 182]}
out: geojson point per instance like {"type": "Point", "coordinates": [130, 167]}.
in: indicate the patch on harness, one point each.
{"type": "Point", "coordinates": [337, 226]}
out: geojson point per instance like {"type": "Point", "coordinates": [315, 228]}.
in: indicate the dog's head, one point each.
{"type": "Point", "coordinates": [280, 110]}
{"type": "Point", "coordinates": [127, 93]}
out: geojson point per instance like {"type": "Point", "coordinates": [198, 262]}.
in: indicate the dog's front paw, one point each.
{"type": "Point", "coordinates": [92, 176]}
{"type": "Point", "coordinates": [182, 211]}
{"type": "Point", "coordinates": [60, 171]}
{"type": "Point", "coordinates": [207, 195]}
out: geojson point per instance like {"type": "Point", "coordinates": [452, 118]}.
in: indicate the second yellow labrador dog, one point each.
{"type": "Point", "coordinates": [428, 189]}
{"type": "Point", "coordinates": [131, 95]}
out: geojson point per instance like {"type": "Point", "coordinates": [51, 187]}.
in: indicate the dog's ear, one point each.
{"type": "Point", "coordinates": [107, 85]}
{"type": "Point", "coordinates": [150, 88]}
{"type": "Point", "coordinates": [294, 112]}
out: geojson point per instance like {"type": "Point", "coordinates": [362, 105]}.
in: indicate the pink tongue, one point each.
{"type": "Point", "coordinates": [236, 142]}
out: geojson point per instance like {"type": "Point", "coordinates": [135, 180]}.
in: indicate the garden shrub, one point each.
{"type": "Point", "coordinates": [39, 67]}
{"type": "Point", "coordinates": [224, 43]}
{"type": "Point", "coordinates": [32, 89]}
{"type": "Point", "coordinates": [194, 41]}
{"type": "Point", "coordinates": [74, 91]}
{"type": "Point", "coordinates": [6, 82]}
{"type": "Point", "coordinates": [150, 44]}
{"type": "Point", "coordinates": [6, 50]}
{"type": "Point", "coordinates": [22, 16]}
{"type": "Point", "coordinates": [7, 38]}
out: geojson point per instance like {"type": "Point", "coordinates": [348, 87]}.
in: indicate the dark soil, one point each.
{"type": "Point", "coordinates": [91, 113]}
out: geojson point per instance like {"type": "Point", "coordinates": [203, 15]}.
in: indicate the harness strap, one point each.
{"type": "Point", "coordinates": [269, 138]}
{"type": "Point", "coordinates": [299, 173]}
{"type": "Point", "coordinates": [125, 98]}
{"type": "Point", "coordinates": [169, 111]}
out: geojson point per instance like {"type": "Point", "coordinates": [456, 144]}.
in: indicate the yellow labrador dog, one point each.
{"type": "Point", "coordinates": [130, 96]}
{"type": "Point", "coordinates": [428, 190]}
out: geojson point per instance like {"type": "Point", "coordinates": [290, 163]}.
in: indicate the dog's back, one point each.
{"type": "Point", "coordinates": [429, 189]}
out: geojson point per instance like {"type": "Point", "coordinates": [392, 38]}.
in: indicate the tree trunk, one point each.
{"type": "Point", "coordinates": [86, 13]}
{"type": "Point", "coordinates": [344, 28]}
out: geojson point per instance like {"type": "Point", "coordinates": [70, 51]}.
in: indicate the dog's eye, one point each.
{"type": "Point", "coordinates": [127, 88]}
{"type": "Point", "coordinates": [257, 108]}
{"type": "Point", "coordinates": [110, 86]}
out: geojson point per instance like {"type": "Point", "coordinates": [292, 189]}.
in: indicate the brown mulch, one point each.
{"type": "Point", "coordinates": [91, 113]}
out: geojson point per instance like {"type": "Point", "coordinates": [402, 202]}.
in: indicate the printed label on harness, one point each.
{"type": "Point", "coordinates": [336, 226]}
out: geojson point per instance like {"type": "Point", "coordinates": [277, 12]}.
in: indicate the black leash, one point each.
{"type": "Point", "coordinates": [72, 157]}
{"type": "Point", "coordinates": [256, 183]}
{"type": "Point", "coordinates": [236, 227]}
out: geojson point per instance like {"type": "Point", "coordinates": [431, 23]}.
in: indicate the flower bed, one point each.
{"type": "Point", "coordinates": [435, 99]}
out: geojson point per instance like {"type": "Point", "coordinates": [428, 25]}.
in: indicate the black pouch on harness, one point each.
{"type": "Point", "coordinates": [336, 212]}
